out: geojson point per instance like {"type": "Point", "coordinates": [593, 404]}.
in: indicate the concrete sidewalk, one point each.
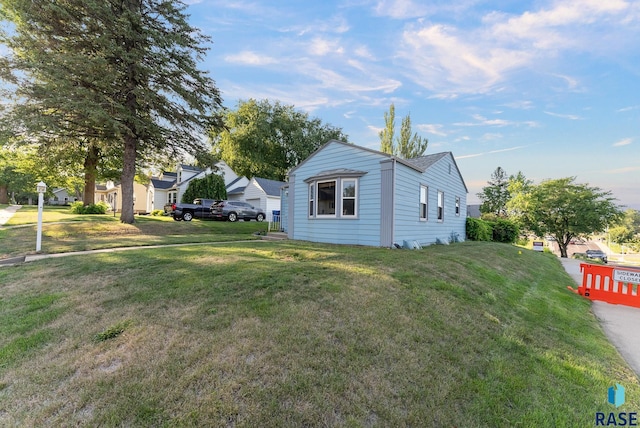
{"type": "Point", "coordinates": [7, 213]}
{"type": "Point", "coordinates": [620, 323]}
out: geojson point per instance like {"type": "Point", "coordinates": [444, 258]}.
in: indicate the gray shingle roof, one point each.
{"type": "Point", "coordinates": [270, 187]}
{"type": "Point", "coordinates": [236, 191]}
{"type": "Point", "coordinates": [424, 162]}
{"type": "Point", "coordinates": [162, 184]}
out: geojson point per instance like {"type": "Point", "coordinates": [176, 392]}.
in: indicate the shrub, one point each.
{"type": "Point", "coordinates": [504, 231]}
{"type": "Point", "coordinates": [478, 230]}
{"type": "Point", "coordinates": [79, 208]}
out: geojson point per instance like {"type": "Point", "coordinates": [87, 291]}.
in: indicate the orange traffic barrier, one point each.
{"type": "Point", "coordinates": [612, 284]}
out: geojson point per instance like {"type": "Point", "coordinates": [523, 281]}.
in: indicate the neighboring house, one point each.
{"type": "Point", "coordinates": [264, 193]}
{"type": "Point", "coordinates": [142, 197]}
{"type": "Point", "coordinates": [61, 197]}
{"type": "Point", "coordinates": [186, 173]}
{"type": "Point", "coordinates": [170, 186]}
{"type": "Point", "coordinates": [473, 211]}
{"type": "Point", "coordinates": [347, 194]}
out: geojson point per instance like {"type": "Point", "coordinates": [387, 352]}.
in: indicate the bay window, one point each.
{"type": "Point", "coordinates": [334, 194]}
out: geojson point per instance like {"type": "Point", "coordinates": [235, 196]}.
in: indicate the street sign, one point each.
{"type": "Point", "coordinates": [630, 276]}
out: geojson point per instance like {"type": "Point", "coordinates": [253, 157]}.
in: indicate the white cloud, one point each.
{"type": "Point", "coordinates": [483, 121]}
{"type": "Point", "coordinates": [623, 170]}
{"type": "Point", "coordinates": [400, 9]}
{"type": "Point", "coordinates": [623, 142]}
{"type": "Point", "coordinates": [475, 155]}
{"type": "Point", "coordinates": [564, 116]}
{"type": "Point", "coordinates": [321, 46]}
{"type": "Point", "coordinates": [448, 59]}
{"type": "Point", "coordinates": [520, 105]}
{"type": "Point", "coordinates": [250, 58]}
{"type": "Point", "coordinates": [431, 128]}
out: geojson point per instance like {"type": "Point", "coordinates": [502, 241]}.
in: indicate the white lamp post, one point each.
{"type": "Point", "coordinates": [41, 188]}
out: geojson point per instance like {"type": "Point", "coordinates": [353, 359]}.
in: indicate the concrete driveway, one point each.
{"type": "Point", "coordinates": [620, 323]}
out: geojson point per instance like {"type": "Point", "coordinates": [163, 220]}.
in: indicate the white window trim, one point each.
{"type": "Point", "coordinates": [311, 201]}
{"type": "Point", "coordinates": [335, 199]}
{"type": "Point", "coordinates": [440, 219]}
{"type": "Point", "coordinates": [426, 202]}
{"type": "Point", "coordinates": [342, 198]}
{"type": "Point", "coordinates": [458, 202]}
{"type": "Point", "coordinates": [338, 201]}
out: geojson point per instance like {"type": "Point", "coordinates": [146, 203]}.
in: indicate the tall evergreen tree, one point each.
{"type": "Point", "coordinates": [495, 196]}
{"type": "Point", "coordinates": [120, 75]}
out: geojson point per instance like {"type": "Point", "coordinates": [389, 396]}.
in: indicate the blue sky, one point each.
{"type": "Point", "coordinates": [549, 88]}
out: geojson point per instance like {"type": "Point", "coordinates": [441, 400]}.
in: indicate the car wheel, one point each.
{"type": "Point", "coordinates": [260, 217]}
{"type": "Point", "coordinates": [187, 216]}
{"type": "Point", "coordinates": [233, 217]}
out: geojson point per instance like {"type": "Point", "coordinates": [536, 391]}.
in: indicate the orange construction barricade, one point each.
{"type": "Point", "coordinates": [612, 284]}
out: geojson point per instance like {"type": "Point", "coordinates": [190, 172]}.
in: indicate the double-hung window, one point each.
{"type": "Point", "coordinates": [440, 205]}
{"type": "Point", "coordinates": [424, 197]}
{"type": "Point", "coordinates": [312, 199]}
{"type": "Point", "coordinates": [458, 206]}
{"type": "Point", "coordinates": [349, 197]}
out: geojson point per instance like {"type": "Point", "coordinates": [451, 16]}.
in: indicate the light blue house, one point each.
{"type": "Point", "coordinates": [346, 194]}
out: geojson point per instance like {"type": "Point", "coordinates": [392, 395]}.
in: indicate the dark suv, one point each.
{"type": "Point", "coordinates": [597, 254]}
{"type": "Point", "coordinates": [234, 210]}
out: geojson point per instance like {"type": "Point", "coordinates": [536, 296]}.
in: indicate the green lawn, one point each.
{"type": "Point", "coordinates": [66, 232]}
{"type": "Point", "coordinates": [300, 334]}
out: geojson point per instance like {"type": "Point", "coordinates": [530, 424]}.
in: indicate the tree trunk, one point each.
{"type": "Point", "coordinates": [4, 196]}
{"type": "Point", "coordinates": [563, 249]}
{"type": "Point", "coordinates": [90, 172]}
{"type": "Point", "coordinates": [128, 174]}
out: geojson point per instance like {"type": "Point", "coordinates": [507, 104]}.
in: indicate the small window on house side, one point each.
{"type": "Point", "coordinates": [312, 198]}
{"type": "Point", "coordinates": [440, 206]}
{"type": "Point", "coordinates": [424, 194]}
{"type": "Point", "coordinates": [458, 206]}
{"type": "Point", "coordinates": [348, 197]}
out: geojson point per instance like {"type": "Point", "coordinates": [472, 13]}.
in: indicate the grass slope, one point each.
{"type": "Point", "coordinates": [299, 334]}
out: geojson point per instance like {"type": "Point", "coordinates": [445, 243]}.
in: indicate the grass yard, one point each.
{"type": "Point", "coordinates": [299, 334]}
{"type": "Point", "coordinates": [66, 232]}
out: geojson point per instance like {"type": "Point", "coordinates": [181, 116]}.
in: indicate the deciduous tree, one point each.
{"type": "Point", "coordinates": [265, 139]}
{"type": "Point", "coordinates": [406, 145]}
{"type": "Point", "coordinates": [565, 210]}
{"type": "Point", "coordinates": [209, 187]}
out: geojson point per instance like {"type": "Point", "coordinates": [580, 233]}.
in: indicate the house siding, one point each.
{"type": "Point", "coordinates": [436, 178]}
{"type": "Point", "coordinates": [364, 229]}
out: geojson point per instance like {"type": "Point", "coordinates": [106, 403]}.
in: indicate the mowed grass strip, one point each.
{"type": "Point", "coordinates": [65, 232]}
{"type": "Point", "coordinates": [300, 334]}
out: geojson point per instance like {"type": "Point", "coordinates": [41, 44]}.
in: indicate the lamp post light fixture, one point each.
{"type": "Point", "coordinates": [41, 188]}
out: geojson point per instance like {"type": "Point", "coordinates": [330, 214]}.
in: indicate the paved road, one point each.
{"type": "Point", "coordinates": [620, 323]}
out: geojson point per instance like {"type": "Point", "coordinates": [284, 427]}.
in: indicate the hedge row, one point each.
{"type": "Point", "coordinates": [499, 230]}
